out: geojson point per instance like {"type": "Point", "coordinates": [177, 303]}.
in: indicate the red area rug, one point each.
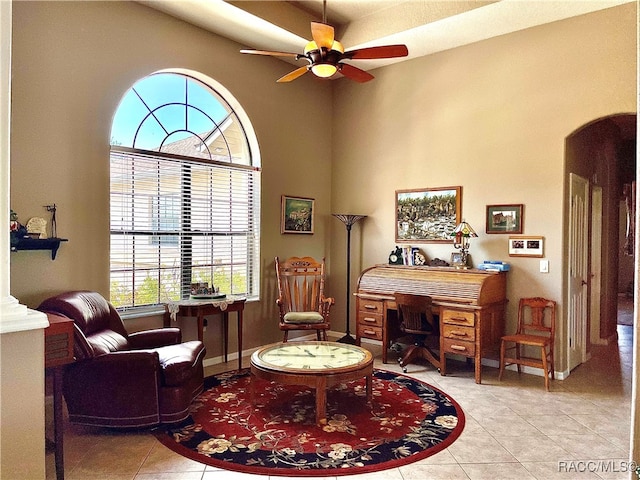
{"type": "Point", "coordinates": [408, 421]}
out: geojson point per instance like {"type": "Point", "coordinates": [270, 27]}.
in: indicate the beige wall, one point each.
{"type": "Point", "coordinates": [491, 117]}
{"type": "Point", "coordinates": [72, 62]}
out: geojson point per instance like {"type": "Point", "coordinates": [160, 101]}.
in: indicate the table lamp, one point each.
{"type": "Point", "coordinates": [461, 235]}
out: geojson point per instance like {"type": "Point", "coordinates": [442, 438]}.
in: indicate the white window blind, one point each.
{"type": "Point", "coordinates": [177, 221]}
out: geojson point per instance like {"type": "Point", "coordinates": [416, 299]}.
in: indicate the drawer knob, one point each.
{"type": "Point", "coordinates": [369, 332]}
{"type": "Point", "coordinates": [459, 348]}
{"type": "Point", "coordinates": [369, 319]}
{"type": "Point", "coordinates": [371, 307]}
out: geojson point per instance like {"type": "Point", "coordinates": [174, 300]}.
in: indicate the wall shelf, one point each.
{"type": "Point", "coordinates": [39, 244]}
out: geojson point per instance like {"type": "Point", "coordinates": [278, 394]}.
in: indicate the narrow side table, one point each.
{"type": "Point", "coordinates": [58, 352]}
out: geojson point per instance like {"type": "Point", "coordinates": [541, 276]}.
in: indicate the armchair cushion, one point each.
{"type": "Point", "coordinates": [107, 341]}
{"type": "Point", "coordinates": [303, 317]}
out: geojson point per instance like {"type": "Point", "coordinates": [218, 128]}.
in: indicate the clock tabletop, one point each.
{"type": "Point", "coordinates": [311, 357]}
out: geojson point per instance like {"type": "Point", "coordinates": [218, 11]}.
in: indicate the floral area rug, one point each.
{"type": "Point", "coordinates": [407, 421]}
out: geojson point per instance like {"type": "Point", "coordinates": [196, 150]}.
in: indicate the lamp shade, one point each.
{"type": "Point", "coordinates": [464, 230]}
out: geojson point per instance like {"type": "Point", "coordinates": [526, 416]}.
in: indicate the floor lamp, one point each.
{"type": "Point", "coordinates": [348, 220]}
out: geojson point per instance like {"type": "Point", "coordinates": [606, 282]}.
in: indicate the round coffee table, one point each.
{"type": "Point", "coordinates": [313, 364]}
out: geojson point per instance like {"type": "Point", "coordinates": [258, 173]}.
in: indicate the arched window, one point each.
{"type": "Point", "coordinates": [185, 192]}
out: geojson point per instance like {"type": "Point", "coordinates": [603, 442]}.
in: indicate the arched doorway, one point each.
{"type": "Point", "coordinates": [603, 152]}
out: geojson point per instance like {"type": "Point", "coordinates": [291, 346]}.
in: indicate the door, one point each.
{"type": "Point", "coordinates": [596, 265]}
{"type": "Point", "coordinates": [577, 302]}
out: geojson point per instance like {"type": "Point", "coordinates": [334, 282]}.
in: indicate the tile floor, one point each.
{"type": "Point", "coordinates": [514, 430]}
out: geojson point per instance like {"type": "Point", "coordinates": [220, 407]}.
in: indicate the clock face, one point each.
{"type": "Point", "coordinates": [311, 355]}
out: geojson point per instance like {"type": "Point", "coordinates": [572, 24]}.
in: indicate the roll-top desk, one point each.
{"type": "Point", "coordinates": [470, 303]}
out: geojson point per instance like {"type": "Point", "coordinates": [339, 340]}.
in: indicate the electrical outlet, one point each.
{"type": "Point", "coordinates": [544, 266]}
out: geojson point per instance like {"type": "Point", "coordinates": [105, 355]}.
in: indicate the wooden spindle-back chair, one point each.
{"type": "Point", "coordinates": [301, 301]}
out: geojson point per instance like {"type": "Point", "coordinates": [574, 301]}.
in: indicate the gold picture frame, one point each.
{"type": "Point", "coordinates": [427, 215]}
{"type": "Point", "coordinates": [296, 215]}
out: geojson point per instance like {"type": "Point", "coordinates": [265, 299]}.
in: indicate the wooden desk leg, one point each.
{"type": "Point", "coordinates": [321, 400]}
{"type": "Point", "coordinates": [240, 339]}
{"type": "Point", "coordinates": [225, 329]}
{"type": "Point", "coordinates": [58, 427]}
{"type": "Point", "coordinates": [200, 325]}
{"type": "Point", "coordinates": [385, 336]}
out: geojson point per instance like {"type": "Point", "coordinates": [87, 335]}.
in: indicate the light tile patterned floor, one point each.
{"type": "Point", "coordinates": [514, 430]}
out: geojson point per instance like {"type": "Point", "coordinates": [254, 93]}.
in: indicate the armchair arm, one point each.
{"type": "Point", "coordinates": [325, 306]}
{"type": "Point", "coordinates": [159, 337]}
{"type": "Point", "coordinates": [281, 308]}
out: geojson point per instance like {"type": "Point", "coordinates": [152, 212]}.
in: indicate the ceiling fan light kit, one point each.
{"type": "Point", "coordinates": [325, 56]}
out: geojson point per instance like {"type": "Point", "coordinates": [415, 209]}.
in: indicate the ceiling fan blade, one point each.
{"type": "Point", "coordinates": [384, 51]}
{"type": "Point", "coordinates": [293, 75]}
{"type": "Point", "coordinates": [266, 52]}
{"type": "Point", "coordinates": [322, 34]}
{"type": "Point", "coordinates": [354, 73]}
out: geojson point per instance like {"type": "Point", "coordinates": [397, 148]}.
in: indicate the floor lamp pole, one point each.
{"type": "Point", "coordinates": [349, 220]}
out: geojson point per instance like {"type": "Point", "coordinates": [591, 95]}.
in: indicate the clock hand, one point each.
{"type": "Point", "coordinates": [309, 353]}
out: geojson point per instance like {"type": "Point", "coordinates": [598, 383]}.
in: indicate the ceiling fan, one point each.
{"type": "Point", "coordinates": [325, 55]}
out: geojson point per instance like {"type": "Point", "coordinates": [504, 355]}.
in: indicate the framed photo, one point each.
{"type": "Point", "coordinates": [297, 215]}
{"type": "Point", "coordinates": [427, 215]}
{"type": "Point", "coordinates": [505, 218]}
{"type": "Point", "coordinates": [526, 246]}
{"type": "Point", "coordinates": [456, 259]}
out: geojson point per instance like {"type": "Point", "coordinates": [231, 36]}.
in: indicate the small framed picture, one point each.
{"type": "Point", "coordinates": [526, 246]}
{"type": "Point", "coordinates": [297, 215]}
{"type": "Point", "coordinates": [457, 259]}
{"type": "Point", "coordinates": [505, 218]}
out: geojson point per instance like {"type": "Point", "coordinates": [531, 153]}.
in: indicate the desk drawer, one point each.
{"type": "Point", "coordinates": [365, 331]}
{"type": "Point", "coordinates": [369, 319]}
{"type": "Point", "coordinates": [458, 317]}
{"type": "Point", "coordinates": [451, 345]}
{"type": "Point", "coordinates": [371, 306]}
{"type": "Point", "coordinates": [456, 332]}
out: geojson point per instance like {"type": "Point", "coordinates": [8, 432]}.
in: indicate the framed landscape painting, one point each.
{"type": "Point", "coordinates": [427, 215]}
{"type": "Point", "coordinates": [504, 218]}
{"type": "Point", "coordinates": [297, 215]}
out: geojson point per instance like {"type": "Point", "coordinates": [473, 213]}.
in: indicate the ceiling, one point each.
{"type": "Point", "coordinates": [425, 26]}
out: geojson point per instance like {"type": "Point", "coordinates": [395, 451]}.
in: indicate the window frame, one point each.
{"type": "Point", "coordinates": [252, 172]}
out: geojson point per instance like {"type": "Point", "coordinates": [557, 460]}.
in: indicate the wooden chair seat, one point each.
{"type": "Point", "coordinates": [533, 340]}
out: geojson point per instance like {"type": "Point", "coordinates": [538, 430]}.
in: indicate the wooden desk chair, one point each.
{"type": "Point", "coordinates": [301, 301]}
{"type": "Point", "coordinates": [536, 328]}
{"type": "Point", "coordinates": [416, 319]}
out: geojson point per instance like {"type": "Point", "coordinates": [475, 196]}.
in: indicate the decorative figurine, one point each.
{"type": "Point", "coordinates": [54, 229]}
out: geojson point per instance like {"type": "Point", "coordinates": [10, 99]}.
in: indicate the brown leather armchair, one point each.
{"type": "Point", "coordinates": [122, 379]}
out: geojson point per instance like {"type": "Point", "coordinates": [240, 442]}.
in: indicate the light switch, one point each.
{"type": "Point", "coordinates": [544, 266]}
